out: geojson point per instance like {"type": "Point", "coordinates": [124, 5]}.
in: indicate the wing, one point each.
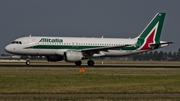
{"type": "Point", "coordinates": [91, 51]}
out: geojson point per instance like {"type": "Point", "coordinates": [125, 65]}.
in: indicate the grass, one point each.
{"type": "Point", "coordinates": [49, 80]}
{"type": "Point", "coordinates": [94, 81]}
{"type": "Point", "coordinates": [93, 99]}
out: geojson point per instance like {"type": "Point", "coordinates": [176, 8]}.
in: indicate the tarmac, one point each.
{"type": "Point", "coordinates": [71, 65]}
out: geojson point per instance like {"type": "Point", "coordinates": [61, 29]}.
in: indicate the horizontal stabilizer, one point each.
{"type": "Point", "coordinates": [155, 46]}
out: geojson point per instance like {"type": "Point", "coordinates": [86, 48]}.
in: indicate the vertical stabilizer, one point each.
{"type": "Point", "coordinates": [151, 34]}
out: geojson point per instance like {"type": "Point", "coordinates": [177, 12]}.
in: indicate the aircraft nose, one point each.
{"type": "Point", "coordinates": [8, 48]}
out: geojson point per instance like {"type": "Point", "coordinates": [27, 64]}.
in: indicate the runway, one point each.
{"type": "Point", "coordinates": [71, 65]}
{"type": "Point", "coordinates": [87, 95]}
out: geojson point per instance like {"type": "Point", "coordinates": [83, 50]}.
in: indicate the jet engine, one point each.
{"type": "Point", "coordinates": [72, 56]}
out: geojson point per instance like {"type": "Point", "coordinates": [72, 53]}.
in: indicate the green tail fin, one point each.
{"type": "Point", "coordinates": [151, 34]}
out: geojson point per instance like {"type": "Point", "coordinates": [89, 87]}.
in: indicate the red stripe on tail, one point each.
{"type": "Point", "coordinates": [149, 40]}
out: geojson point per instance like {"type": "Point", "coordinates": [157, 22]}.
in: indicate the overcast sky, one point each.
{"type": "Point", "coordinates": [86, 18]}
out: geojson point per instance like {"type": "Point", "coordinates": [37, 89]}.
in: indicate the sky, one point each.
{"type": "Point", "coordinates": [86, 18]}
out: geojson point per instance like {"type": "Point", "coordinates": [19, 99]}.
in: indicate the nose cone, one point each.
{"type": "Point", "coordinates": [8, 49]}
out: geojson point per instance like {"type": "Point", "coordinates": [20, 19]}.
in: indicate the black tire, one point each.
{"type": "Point", "coordinates": [78, 63]}
{"type": "Point", "coordinates": [28, 62]}
{"type": "Point", "coordinates": [90, 63]}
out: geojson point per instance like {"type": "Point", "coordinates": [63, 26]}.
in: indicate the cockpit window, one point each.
{"type": "Point", "coordinates": [16, 42]}
{"type": "Point", "coordinates": [13, 42]}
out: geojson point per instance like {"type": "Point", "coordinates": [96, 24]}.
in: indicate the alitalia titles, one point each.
{"type": "Point", "coordinates": [56, 40]}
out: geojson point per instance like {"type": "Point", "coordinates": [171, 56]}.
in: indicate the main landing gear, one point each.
{"type": "Point", "coordinates": [89, 63]}
{"type": "Point", "coordinates": [78, 63]}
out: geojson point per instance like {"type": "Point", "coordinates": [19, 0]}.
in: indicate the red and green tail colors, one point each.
{"type": "Point", "coordinates": [151, 34]}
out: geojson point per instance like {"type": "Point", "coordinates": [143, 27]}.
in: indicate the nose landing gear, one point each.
{"type": "Point", "coordinates": [27, 62]}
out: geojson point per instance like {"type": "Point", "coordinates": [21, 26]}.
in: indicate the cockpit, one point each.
{"type": "Point", "coordinates": [16, 42]}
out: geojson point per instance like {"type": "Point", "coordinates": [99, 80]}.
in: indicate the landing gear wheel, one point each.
{"type": "Point", "coordinates": [78, 63]}
{"type": "Point", "coordinates": [27, 62]}
{"type": "Point", "coordinates": [90, 63]}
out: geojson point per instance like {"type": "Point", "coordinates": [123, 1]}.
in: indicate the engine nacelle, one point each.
{"type": "Point", "coordinates": [54, 58]}
{"type": "Point", "coordinates": [72, 56]}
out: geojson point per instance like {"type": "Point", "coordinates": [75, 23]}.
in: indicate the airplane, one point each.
{"type": "Point", "coordinates": [74, 49]}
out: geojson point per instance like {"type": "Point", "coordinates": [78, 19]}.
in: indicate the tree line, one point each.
{"type": "Point", "coordinates": [157, 56]}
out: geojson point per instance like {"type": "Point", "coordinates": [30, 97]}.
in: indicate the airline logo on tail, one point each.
{"type": "Point", "coordinates": [150, 39]}
{"type": "Point", "coordinates": [151, 34]}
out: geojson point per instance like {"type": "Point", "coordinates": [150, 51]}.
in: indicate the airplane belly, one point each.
{"type": "Point", "coordinates": [60, 51]}
{"type": "Point", "coordinates": [121, 52]}
{"type": "Point", "coordinates": [47, 51]}
{"type": "Point", "coordinates": [38, 52]}
{"type": "Point", "coordinates": [115, 53]}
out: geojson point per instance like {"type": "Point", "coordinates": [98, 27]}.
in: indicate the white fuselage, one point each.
{"type": "Point", "coordinates": [51, 46]}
